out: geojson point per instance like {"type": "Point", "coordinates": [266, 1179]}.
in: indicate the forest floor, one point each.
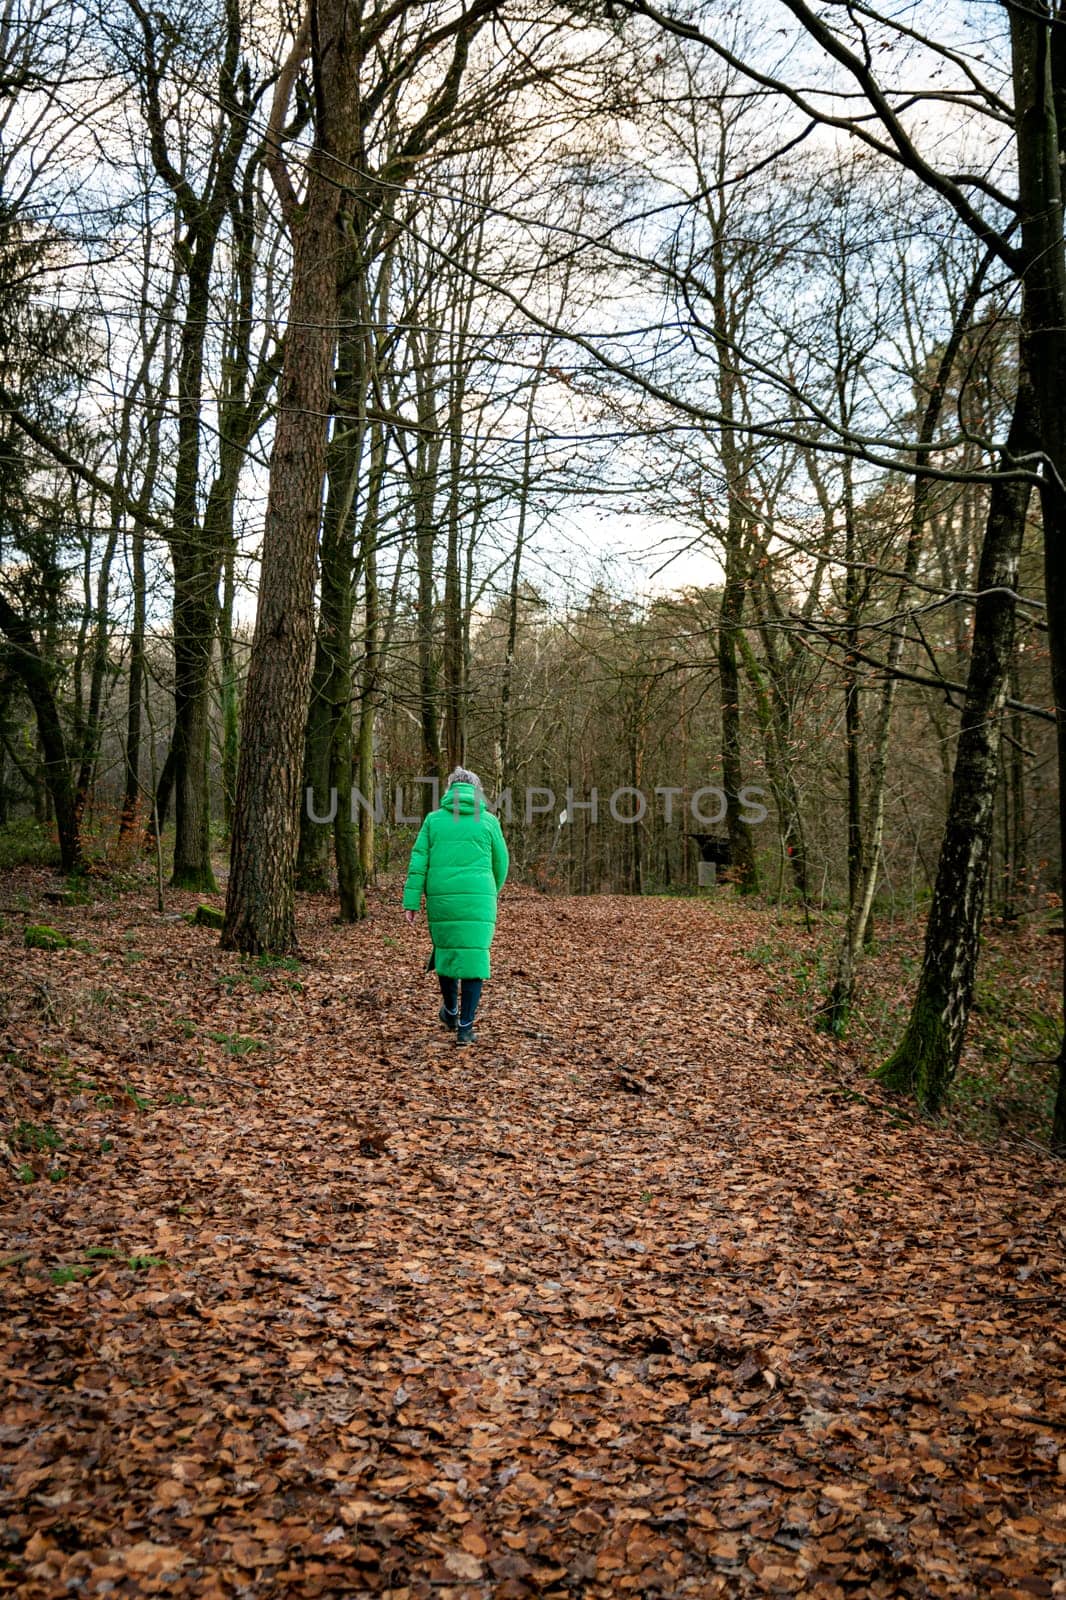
{"type": "Point", "coordinates": [648, 1292]}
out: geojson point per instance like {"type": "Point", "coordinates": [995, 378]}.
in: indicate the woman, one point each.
{"type": "Point", "coordinates": [460, 861]}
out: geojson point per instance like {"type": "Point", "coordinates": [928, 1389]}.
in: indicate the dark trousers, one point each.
{"type": "Point", "coordinates": [470, 995]}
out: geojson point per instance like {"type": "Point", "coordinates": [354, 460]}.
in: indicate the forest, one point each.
{"type": "Point", "coordinates": [611, 402]}
{"type": "Point", "coordinates": [659, 411]}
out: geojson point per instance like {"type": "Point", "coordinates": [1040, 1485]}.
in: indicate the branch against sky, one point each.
{"type": "Point", "coordinates": [884, 117]}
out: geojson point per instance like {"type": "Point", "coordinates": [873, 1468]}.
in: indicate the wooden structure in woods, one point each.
{"type": "Point", "coordinates": [715, 852]}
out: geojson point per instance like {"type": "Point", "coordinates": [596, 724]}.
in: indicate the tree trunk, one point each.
{"type": "Point", "coordinates": [26, 660]}
{"type": "Point", "coordinates": [350, 886]}
{"type": "Point", "coordinates": [312, 856]}
{"type": "Point", "coordinates": [1039, 72]}
{"type": "Point", "coordinates": [91, 731]}
{"type": "Point", "coordinates": [928, 1055]}
{"type": "Point", "coordinates": [503, 740]}
{"type": "Point", "coordinates": [729, 625]}
{"type": "Point", "coordinates": [131, 798]}
{"type": "Point", "coordinates": [5, 695]}
{"type": "Point", "coordinates": [197, 567]}
{"type": "Point", "coordinates": [371, 659]}
{"type": "Point", "coordinates": [1015, 863]}
{"type": "Point", "coordinates": [195, 609]}
{"type": "Point", "coordinates": [424, 488]}
{"type": "Point", "coordinates": [329, 733]}
{"type": "Point", "coordinates": [260, 902]}
{"type": "Point", "coordinates": [196, 553]}
{"type": "Point", "coordinates": [452, 655]}
{"type": "Point", "coordinates": [228, 688]}
{"type": "Point", "coordinates": [852, 711]}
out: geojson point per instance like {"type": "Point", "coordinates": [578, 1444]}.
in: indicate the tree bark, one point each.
{"type": "Point", "coordinates": [730, 621]}
{"type": "Point", "coordinates": [852, 710]}
{"type": "Point", "coordinates": [331, 677]}
{"type": "Point", "coordinates": [424, 490]}
{"type": "Point", "coordinates": [30, 666]}
{"type": "Point", "coordinates": [735, 465]}
{"type": "Point", "coordinates": [371, 659]}
{"type": "Point", "coordinates": [260, 901]}
{"type": "Point", "coordinates": [131, 797]}
{"type": "Point", "coordinates": [1039, 72]}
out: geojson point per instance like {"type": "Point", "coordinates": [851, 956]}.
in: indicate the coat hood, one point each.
{"type": "Point", "coordinates": [464, 799]}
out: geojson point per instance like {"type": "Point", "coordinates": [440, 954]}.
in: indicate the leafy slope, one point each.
{"type": "Point", "coordinates": [645, 1293]}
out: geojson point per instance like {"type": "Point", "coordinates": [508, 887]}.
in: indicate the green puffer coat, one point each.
{"type": "Point", "coordinates": [460, 860]}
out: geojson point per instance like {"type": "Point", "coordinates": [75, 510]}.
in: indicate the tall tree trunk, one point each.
{"type": "Point", "coordinates": [5, 793]}
{"type": "Point", "coordinates": [196, 558]}
{"type": "Point", "coordinates": [452, 654]}
{"type": "Point", "coordinates": [371, 657]}
{"type": "Point", "coordinates": [329, 712]}
{"type": "Point", "coordinates": [852, 710]}
{"type": "Point", "coordinates": [730, 621]}
{"type": "Point", "coordinates": [1039, 72]}
{"type": "Point", "coordinates": [736, 464]}
{"type": "Point", "coordinates": [27, 662]}
{"type": "Point", "coordinates": [133, 809]}
{"type": "Point", "coordinates": [928, 1055]}
{"type": "Point", "coordinates": [424, 492]}
{"type": "Point", "coordinates": [196, 554]}
{"type": "Point", "coordinates": [312, 855]}
{"type": "Point", "coordinates": [229, 693]}
{"type": "Point", "coordinates": [195, 611]}
{"type": "Point", "coordinates": [503, 738]}
{"type": "Point", "coordinates": [260, 902]}
{"type": "Point", "coordinates": [162, 790]}
{"type": "Point", "coordinates": [456, 615]}
{"type": "Point", "coordinates": [92, 725]}
{"type": "Point", "coordinates": [1015, 863]}
{"type": "Point", "coordinates": [350, 885]}
{"type": "Point", "coordinates": [131, 797]}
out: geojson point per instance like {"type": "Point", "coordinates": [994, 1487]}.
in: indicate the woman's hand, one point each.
{"type": "Point", "coordinates": [410, 917]}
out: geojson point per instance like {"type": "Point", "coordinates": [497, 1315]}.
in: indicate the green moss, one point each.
{"type": "Point", "coordinates": [201, 882]}
{"type": "Point", "coordinates": [39, 936]}
{"type": "Point", "coordinates": [923, 1064]}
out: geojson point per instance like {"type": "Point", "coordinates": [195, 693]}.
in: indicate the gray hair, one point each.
{"type": "Point", "coordinates": [463, 775]}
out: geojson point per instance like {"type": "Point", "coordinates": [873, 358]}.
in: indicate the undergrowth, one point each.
{"type": "Point", "coordinates": [1006, 1080]}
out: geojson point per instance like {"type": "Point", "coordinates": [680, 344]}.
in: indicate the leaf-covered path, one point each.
{"type": "Point", "coordinates": [642, 1294]}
